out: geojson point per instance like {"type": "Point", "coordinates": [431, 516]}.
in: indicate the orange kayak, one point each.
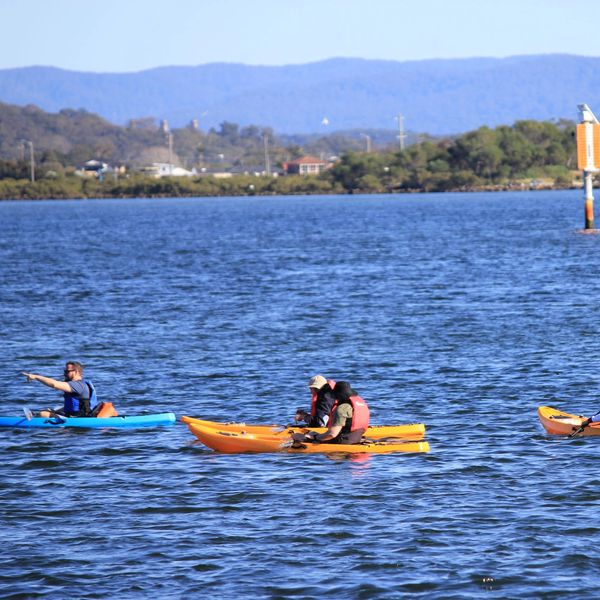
{"type": "Point", "coordinates": [414, 431]}
{"type": "Point", "coordinates": [557, 422]}
{"type": "Point", "coordinates": [233, 442]}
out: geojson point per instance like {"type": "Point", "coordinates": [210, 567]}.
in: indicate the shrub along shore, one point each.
{"type": "Point", "coordinates": [139, 187]}
{"type": "Point", "coordinates": [530, 154]}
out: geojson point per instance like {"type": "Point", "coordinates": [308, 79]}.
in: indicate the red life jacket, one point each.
{"type": "Point", "coordinates": [314, 395]}
{"type": "Point", "coordinates": [353, 432]}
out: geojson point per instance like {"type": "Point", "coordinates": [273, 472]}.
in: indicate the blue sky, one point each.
{"type": "Point", "coordinates": [133, 35]}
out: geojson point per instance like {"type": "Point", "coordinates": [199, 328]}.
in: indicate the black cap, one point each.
{"type": "Point", "coordinates": [343, 390]}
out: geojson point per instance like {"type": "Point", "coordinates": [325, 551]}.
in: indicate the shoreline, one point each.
{"type": "Point", "coordinates": [40, 191]}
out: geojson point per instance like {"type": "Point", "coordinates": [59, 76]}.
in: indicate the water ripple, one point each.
{"type": "Point", "coordinates": [223, 308]}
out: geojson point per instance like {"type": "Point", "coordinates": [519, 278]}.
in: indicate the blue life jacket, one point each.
{"type": "Point", "coordinates": [76, 405]}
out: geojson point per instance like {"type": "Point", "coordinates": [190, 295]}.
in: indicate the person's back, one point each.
{"type": "Point", "coordinates": [350, 414]}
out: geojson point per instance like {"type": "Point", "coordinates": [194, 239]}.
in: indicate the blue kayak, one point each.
{"type": "Point", "coordinates": [95, 422]}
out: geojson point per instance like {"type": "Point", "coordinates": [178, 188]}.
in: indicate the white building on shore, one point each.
{"type": "Point", "coordinates": [159, 170]}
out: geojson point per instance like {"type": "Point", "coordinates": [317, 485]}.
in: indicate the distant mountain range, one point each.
{"type": "Point", "coordinates": [434, 96]}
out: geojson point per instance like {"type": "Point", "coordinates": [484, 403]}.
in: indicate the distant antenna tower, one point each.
{"type": "Point", "coordinates": [368, 140]}
{"type": "Point", "coordinates": [401, 134]}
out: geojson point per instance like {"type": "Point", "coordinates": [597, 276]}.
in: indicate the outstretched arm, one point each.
{"type": "Point", "coordinates": [62, 386]}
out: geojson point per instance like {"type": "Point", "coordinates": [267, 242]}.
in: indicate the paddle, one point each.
{"type": "Point", "coordinates": [58, 418]}
{"type": "Point", "coordinates": [389, 440]}
{"type": "Point", "coordinates": [580, 429]}
{"type": "Point", "coordinates": [28, 413]}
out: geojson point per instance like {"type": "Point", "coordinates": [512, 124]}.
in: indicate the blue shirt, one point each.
{"type": "Point", "coordinates": [79, 389]}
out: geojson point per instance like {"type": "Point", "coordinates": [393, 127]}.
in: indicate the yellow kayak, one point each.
{"type": "Point", "coordinates": [233, 442]}
{"type": "Point", "coordinates": [414, 431]}
{"type": "Point", "coordinates": [557, 422]}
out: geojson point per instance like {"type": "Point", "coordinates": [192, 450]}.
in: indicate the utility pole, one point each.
{"type": "Point", "coordinates": [588, 158]}
{"type": "Point", "coordinates": [368, 140]}
{"type": "Point", "coordinates": [31, 161]}
{"type": "Point", "coordinates": [401, 134]}
{"type": "Point", "coordinates": [170, 139]}
{"type": "Point", "coordinates": [267, 161]}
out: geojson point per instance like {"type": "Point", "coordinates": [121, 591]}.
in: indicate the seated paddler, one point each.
{"type": "Point", "coordinates": [79, 394]}
{"type": "Point", "coordinates": [348, 420]}
{"type": "Point", "coordinates": [321, 402]}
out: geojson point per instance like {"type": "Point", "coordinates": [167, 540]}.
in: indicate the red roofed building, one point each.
{"type": "Point", "coordinates": [307, 165]}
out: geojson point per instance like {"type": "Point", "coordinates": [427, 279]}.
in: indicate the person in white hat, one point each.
{"type": "Point", "coordinates": [322, 401]}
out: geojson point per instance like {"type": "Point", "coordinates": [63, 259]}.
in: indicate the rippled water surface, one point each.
{"type": "Point", "coordinates": [465, 312]}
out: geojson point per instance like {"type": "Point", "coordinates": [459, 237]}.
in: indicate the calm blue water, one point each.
{"type": "Point", "coordinates": [465, 311]}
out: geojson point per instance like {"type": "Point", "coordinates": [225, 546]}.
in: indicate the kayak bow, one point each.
{"type": "Point", "coordinates": [557, 422]}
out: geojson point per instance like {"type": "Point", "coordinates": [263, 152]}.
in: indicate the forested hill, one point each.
{"type": "Point", "coordinates": [435, 96]}
{"type": "Point", "coordinates": [71, 137]}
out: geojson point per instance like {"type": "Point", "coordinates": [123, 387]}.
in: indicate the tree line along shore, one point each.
{"type": "Point", "coordinates": [529, 154]}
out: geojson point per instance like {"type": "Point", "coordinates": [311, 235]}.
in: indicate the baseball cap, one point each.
{"type": "Point", "coordinates": [318, 381]}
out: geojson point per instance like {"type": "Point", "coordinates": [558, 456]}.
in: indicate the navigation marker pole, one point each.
{"type": "Point", "coordinates": [588, 159]}
{"type": "Point", "coordinates": [589, 200]}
